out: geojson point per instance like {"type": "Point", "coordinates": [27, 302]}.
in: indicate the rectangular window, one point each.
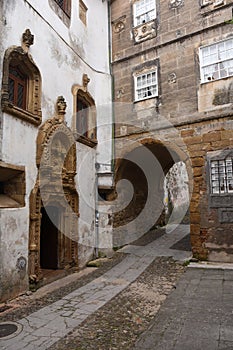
{"type": "Point", "coordinates": [82, 117]}
{"type": "Point", "coordinates": [216, 61]}
{"type": "Point", "coordinates": [144, 11]}
{"type": "Point", "coordinates": [221, 176]}
{"type": "Point", "coordinates": [17, 87]}
{"type": "Point", "coordinates": [146, 85]}
{"type": "Point", "coordinates": [65, 5]}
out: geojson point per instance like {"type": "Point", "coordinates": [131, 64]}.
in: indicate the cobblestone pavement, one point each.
{"type": "Point", "coordinates": [68, 318]}
{"type": "Point", "coordinates": [198, 315]}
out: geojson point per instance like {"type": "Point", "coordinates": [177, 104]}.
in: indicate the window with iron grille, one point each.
{"type": "Point", "coordinates": [221, 176]}
{"type": "Point", "coordinates": [17, 87]}
{"type": "Point", "coordinates": [144, 11]}
{"type": "Point", "coordinates": [65, 5]}
{"type": "Point", "coordinates": [216, 61]}
{"type": "Point", "coordinates": [146, 85]}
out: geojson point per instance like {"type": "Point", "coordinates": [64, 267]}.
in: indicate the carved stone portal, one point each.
{"type": "Point", "coordinates": [53, 233]}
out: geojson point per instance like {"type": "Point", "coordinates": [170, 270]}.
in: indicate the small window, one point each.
{"type": "Point", "coordinates": [83, 12]}
{"type": "Point", "coordinates": [144, 11]}
{"type": "Point", "coordinates": [222, 176]}
{"type": "Point", "coordinates": [216, 61]}
{"type": "Point", "coordinates": [146, 85]}
{"type": "Point", "coordinates": [17, 87]}
{"type": "Point", "coordinates": [65, 5]}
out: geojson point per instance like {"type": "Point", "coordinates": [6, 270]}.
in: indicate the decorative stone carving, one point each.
{"type": "Point", "coordinates": [171, 78]}
{"type": "Point", "coordinates": [145, 31]}
{"type": "Point", "coordinates": [120, 93]}
{"type": "Point", "coordinates": [27, 38]}
{"type": "Point", "coordinates": [55, 186]}
{"type": "Point", "coordinates": [119, 24]}
{"type": "Point", "coordinates": [86, 81]}
{"type": "Point", "coordinates": [175, 3]}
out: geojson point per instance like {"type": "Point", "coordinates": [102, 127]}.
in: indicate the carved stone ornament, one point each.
{"type": "Point", "coordinates": [171, 78]}
{"type": "Point", "coordinates": [86, 81]}
{"type": "Point", "coordinates": [120, 93]}
{"type": "Point", "coordinates": [119, 24]}
{"type": "Point", "coordinates": [27, 39]}
{"type": "Point", "coordinates": [61, 106]}
{"type": "Point", "coordinates": [175, 3]}
{"type": "Point", "coordinates": [145, 31]}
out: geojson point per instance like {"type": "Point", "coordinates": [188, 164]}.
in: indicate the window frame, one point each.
{"type": "Point", "coordinates": [66, 6]}
{"type": "Point", "coordinates": [18, 81]}
{"type": "Point", "coordinates": [136, 88]}
{"type": "Point", "coordinates": [221, 174]}
{"type": "Point", "coordinates": [143, 13]}
{"type": "Point", "coordinates": [218, 62]}
{"type": "Point", "coordinates": [89, 137]}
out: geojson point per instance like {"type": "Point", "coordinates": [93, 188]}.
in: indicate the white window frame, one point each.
{"type": "Point", "coordinates": [221, 176]}
{"type": "Point", "coordinates": [146, 85]}
{"type": "Point", "coordinates": [216, 61]}
{"type": "Point", "coordinates": [143, 11]}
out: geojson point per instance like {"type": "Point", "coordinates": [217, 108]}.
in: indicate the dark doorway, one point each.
{"type": "Point", "coordinates": [49, 237]}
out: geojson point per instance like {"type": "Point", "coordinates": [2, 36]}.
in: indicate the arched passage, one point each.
{"type": "Point", "coordinates": [139, 180]}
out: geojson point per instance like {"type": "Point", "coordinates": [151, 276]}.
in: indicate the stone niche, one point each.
{"type": "Point", "coordinates": [12, 185]}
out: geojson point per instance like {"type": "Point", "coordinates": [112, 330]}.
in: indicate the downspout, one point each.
{"type": "Point", "coordinates": [112, 85]}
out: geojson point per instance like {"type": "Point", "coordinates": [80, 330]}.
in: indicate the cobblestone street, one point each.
{"type": "Point", "coordinates": [107, 308]}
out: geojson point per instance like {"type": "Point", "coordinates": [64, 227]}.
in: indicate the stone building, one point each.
{"type": "Point", "coordinates": [55, 126]}
{"type": "Point", "coordinates": [172, 62]}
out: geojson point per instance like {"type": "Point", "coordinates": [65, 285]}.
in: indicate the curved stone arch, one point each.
{"type": "Point", "coordinates": [32, 113]}
{"type": "Point", "coordinates": [54, 187]}
{"type": "Point", "coordinates": [171, 154]}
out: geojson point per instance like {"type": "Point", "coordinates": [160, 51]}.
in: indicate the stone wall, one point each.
{"type": "Point", "coordinates": [187, 115]}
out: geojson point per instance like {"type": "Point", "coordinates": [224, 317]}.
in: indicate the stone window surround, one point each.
{"type": "Point", "coordinates": [91, 139]}
{"type": "Point", "coordinates": [219, 200]}
{"type": "Point", "coordinates": [60, 13]}
{"type": "Point", "coordinates": [144, 13]}
{"type": "Point", "coordinates": [145, 68]}
{"type": "Point", "coordinates": [32, 113]}
{"type": "Point", "coordinates": [219, 61]}
{"type": "Point", "coordinates": [83, 12]}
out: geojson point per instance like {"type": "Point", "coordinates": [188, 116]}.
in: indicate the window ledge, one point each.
{"type": "Point", "coordinates": [22, 114]}
{"type": "Point", "coordinates": [85, 140]}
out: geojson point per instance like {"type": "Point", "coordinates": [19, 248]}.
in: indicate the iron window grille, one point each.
{"type": "Point", "coordinates": [144, 11]}
{"type": "Point", "coordinates": [146, 85]}
{"type": "Point", "coordinates": [222, 176]}
{"type": "Point", "coordinates": [216, 61]}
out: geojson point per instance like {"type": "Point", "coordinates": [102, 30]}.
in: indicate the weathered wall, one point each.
{"type": "Point", "coordinates": [62, 53]}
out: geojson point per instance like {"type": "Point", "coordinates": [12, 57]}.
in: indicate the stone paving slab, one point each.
{"type": "Point", "coordinates": [194, 316]}
{"type": "Point", "coordinates": [46, 326]}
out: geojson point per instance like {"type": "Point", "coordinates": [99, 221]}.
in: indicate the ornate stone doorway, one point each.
{"type": "Point", "coordinates": [53, 233]}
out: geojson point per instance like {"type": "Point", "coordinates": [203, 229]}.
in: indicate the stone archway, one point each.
{"type": "Point", "coordinates": [146, 208]}
{"type": "Point", "coordinates": [54, 199]}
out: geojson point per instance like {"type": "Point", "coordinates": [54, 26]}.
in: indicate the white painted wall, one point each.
{"type": "Point", "coordinates": [62, 54]}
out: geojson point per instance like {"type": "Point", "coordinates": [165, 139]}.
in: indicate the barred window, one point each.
{"type": "Point", "coordinates": [65, 5]}
{"type": "Point", "coordinates": [144, 11]}
{"type": "Point", "coordinates": [17, 87]}
{"type": "Point", "coordinates": [222, 176]}
{"type": "Point", "coordinates": [146, 85]}
{"type": "Point", "coordinates": [216, 61]}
